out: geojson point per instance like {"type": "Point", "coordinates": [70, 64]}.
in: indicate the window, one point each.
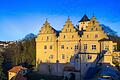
{"type": "Point", "coordinates": [70, 30]}
{"type": "Point", "coordinates": [64, 36]}
{"type": "Point", "coordinates": [68, 25]}
{"type": "Point", "coordinates": [45, 47]}
{"type": "Point", "coordinates": [67, 47]}
{"type": "Point", "coordinates": [93, 47]}
{"type": "Point", "coordinates": [72, 36]}
{"type": "Point", "coordinates": [76, 46]}
{"type": "Point", "coordinates": [50, 46]}
{"type": "Point", "coordinates": [63, 56]}
{"type": "Point", "coordinates": [106, 47]}
{"type": "Point", "coordinates": [89, 56]}
{"type": "Point", "coordinates": [62, 46]}
{"type": "Point", "coordinates": [47, 37]}
{"type": "Point", "coordinates": [85, 46]}
{"type": "Point", "coordinates": [114, 47]}
{"type": "Point", "coordinates": [82, 28]}
{"type": "Point", "coordinates": [96, 29]}
{"type": "Point", "coordinates": [51, 57]}
{"type": "Point", "coordinates": [91, 29]}
{"type": "Point", "coordinates": [87, 36]}
{"type": "Point", "coordinates": [96, 36]}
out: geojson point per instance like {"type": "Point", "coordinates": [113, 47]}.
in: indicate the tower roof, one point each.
{"type": "Point", "coordinates": [84, 18]}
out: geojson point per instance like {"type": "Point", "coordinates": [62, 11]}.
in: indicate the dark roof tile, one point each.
{"type": "Point", "coordinates": [84, 18]}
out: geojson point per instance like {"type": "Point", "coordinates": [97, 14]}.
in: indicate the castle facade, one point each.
{"type": "Point", "coordinates": [59, 46]}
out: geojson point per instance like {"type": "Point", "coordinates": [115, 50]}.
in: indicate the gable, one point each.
{"type": "Point", "coordinates": [47, 29]}
{"type": "Point", "coordinates": [68, 27]}
{"type": "Point", "coordinates": [94, 25]}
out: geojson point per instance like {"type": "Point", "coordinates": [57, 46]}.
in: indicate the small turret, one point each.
{"type": "Point", "coordinates": [83, 23]}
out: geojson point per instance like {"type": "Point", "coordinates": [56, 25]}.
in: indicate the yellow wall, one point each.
{"type": "Point", "coordinates": [10, 75]}
{"type": "Point", "coordinates": [47, 39]}
{"type": "Point", "coordinates": [69, 37]}
{"type": "Point", "coordinates": [83, 25]}
{"type": "Point", "coordinates": [69, 46]}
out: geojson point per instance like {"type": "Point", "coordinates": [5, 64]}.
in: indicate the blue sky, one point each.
{"type": "Point", "coordinates": [20, 17]}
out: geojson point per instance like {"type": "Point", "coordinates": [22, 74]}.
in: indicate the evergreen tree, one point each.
{"type": "Point", "coordinates": [2, 75]}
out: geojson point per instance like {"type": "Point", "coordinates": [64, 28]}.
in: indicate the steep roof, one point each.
{"type": "Point", "coordinates": [68, 27]}
{"type": "Point", "coordinates": [84, 18]}
{"type": "Point", "coordinates": [47, 28]}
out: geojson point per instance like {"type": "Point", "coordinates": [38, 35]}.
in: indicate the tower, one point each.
{"type": "Point", "coordinates": [83, 23]}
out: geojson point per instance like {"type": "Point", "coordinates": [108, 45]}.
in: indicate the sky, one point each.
{"type": "Point", "coordinates": [21, 17]}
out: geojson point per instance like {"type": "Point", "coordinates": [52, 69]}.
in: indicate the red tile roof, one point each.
{"type": "Point", "coordinates": [17, 69]}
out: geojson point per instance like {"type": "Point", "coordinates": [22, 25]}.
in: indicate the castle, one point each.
{"type": "Point", "coordinates": [56, 50]}
{"type": "Point", "coordinates": [59, 46]}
